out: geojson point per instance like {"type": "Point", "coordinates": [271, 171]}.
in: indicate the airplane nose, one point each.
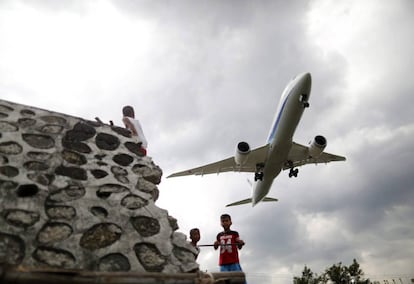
{"type": "Point", "coordinates": [306, 80]}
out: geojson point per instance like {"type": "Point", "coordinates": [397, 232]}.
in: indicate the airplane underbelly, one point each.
{"type": "Point", "coordinates": [273, 170]}
{"type": "Point", "coordinates": [288, 123]}
{"type": "Point", "coordinates": [282, 142]}
{"type": "Point", "coordinates": [277, 159]}
{"type": "Point", "coordinates": [261, 189]}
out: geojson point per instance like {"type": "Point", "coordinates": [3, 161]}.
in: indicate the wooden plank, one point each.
{"type": "Point", "coordinates": [23, 275]}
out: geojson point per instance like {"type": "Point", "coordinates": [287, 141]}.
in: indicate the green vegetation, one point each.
{"type": "Point", "coordinates": [337, 273]}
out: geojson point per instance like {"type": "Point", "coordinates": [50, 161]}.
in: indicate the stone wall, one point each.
{"type": "Point", "coordinates": [77, 194]}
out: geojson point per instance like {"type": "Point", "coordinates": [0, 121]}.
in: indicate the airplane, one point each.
{"type": "Point", "coordinates": [280, 151]}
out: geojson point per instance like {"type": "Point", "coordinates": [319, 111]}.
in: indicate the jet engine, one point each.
{"type": "Point", "coordinates": [242, 153]}
{"type": "Point", "coordinates": [317, 146]}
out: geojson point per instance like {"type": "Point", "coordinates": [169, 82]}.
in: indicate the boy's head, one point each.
{"type": "Point", "coordinates": [195, 235]}
{"type": "Point", "coordinates": [128, 111]}
{"type": "Point", "coordinates": [225, 221]}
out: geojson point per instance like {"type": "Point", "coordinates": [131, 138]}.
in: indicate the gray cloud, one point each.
{"type": "Point", "coordinates": [210, 74]}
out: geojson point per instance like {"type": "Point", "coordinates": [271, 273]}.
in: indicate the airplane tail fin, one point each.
{"type": "Point", "coordinates": [249, 200]}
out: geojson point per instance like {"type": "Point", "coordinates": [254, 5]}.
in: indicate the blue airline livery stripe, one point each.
{"type": "Point", "coordinates": [279, 115]}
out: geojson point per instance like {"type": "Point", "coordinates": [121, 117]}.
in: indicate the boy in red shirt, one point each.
{"type": "Point", "coordinates": [229, 243]}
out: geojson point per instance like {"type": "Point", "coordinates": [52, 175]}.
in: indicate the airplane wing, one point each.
{"type": "Point", "coordinates": [249, 200]}
{"type": "Point", "coordinates": [256, 156]}
{"type": "Point", "coordinates": [299, 156]}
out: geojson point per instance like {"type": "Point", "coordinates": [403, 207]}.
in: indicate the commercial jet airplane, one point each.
{"type": "Point", "coordinates": [280, 152]}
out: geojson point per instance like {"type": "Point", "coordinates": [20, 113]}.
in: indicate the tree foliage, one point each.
{"type": "Point", "coordinates": [337, 273]}
{"type": "Point", "coordinates": [307, 277]}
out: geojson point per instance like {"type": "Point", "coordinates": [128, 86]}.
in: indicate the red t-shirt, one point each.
{"type": "Point", "coordinates": [228, 249]}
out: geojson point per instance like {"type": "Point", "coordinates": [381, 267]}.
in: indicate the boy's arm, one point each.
{"type": "Point", "coordinates": [217, 243]}
{"type": "Point", "coordinates": [240, 243]}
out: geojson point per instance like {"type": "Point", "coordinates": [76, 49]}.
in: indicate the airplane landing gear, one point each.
{"type": "Point", "coordinates": [258, 175]}
{"type": "Point", "coordinates": [293, 172]}
{"type": "Point", "coordinates": [303, 99]}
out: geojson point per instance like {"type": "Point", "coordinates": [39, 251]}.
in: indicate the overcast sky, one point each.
{"type": "Point", "coordinates": [204, 75]}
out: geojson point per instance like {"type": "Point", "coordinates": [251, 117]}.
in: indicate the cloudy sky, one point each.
{"type": "Point", "coordinates": [204, 75]}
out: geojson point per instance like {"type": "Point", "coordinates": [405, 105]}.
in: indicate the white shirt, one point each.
{"type": "Point", "coordinates": [138, 130]}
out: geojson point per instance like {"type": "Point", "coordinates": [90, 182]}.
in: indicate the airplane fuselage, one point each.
{"type": "Point", "coordinates": [289, 112]}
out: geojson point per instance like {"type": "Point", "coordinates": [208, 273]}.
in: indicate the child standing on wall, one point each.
{"type": "Point", "coordinates": [134, 126]}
